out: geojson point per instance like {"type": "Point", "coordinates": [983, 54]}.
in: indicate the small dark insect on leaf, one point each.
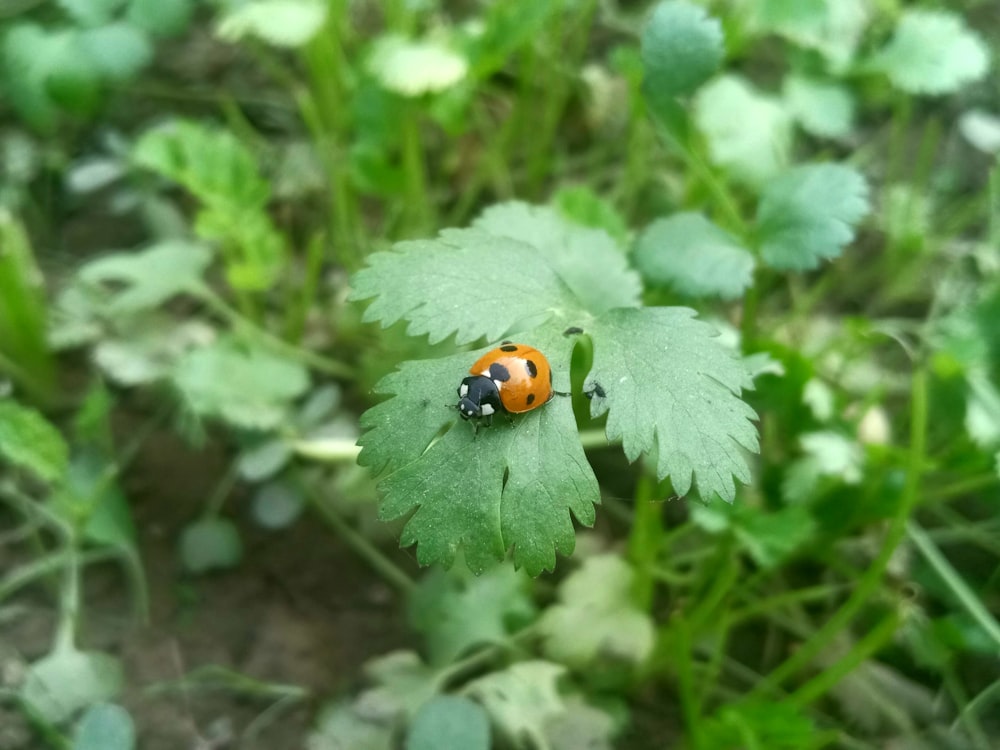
{"type": "Point", "coordinates": [595, 390]}
{"type": "Point", "coordinates": [573, 331]}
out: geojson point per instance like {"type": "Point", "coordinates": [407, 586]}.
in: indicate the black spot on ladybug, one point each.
{"type": "Point", "coordinates": [550, 377]}
{"type": "Point", "coordinates": [499, 372]}
{"type": "Point", "coordinates": [595, 390]}
{"type": "Point", "coordinates": [508, 347]}
{"type": "Point", "coordinates": [531, 368]}
{"type": "Point", "coordinates": [572, 331]}
{"type": "Point", "coordinates": [531, 399]}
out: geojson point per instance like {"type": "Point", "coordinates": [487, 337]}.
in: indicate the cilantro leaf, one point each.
{"type": "Point", "coordinates": [822, 108]}
{"type": "Point", "coordinates": [933, 52]}
{"type": "Point", "coordinates": [246, 387]}
{"type": "Point", "coordinates": [672, 392]}
{"type": "Point", "coordinates": [596, 617]}
{"type": "Point", "coordinates": [752, 147]}
{"type": "Point", "coordinates": [808, 214]}
{"type": "Point", "coordinates": [27, 439]}
{"type": "Point", "coordinates": [694, 256]}
{"type": "Point", "coordinates": [572, 251]}
{"type": "Point", "coordinates": [415, 68]}
{"type": "Point", "coordinates": [456, 611]}
{"type": "Point", "coordinates": [152, 276]}
{"type": "Point", "coordinates": [512, 485]}
{"type": "Point", "coordinates": [449, 722]}
{"type": "Point", "coordinates": [681, 48]}
{"type": "Point", "coordinates": [521, 699]}
{"type": "Point", "coordinates": [283, 23]}
{"type": "Point", "coordinates": [443, 286]}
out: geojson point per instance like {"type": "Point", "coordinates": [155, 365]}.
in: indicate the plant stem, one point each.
{"type": "Point", "coordinates": [822, 683]}
{"type": "Point", "coordinates": [959, 588]}
{"type": "Point", "coordinates": [872, 576]}
{"type": "Point", "coordinates": [644, 541]}
{"type": "Point", "coordinates": [364, 548]}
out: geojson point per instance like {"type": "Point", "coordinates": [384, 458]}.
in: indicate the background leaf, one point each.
{"type": "Point", "coordinates": [823, 108]}
{"type": "Point", "coordinates": [752, 147]}
{"type": "Point", "coordinates": [693, 256]}
{"type": "Point", "coordinates": [30, 441]}
{"type": "Point", "coordinates": [282, 23]}
{"type": "Point", "coordinates": [681, 47]}
{"type": "Point", "coordinates": [60, 684]}
{"type": "Point", "coordinates": [210, 544]}
{"type": "Point", "coordinates": [521, 698]}
{"type": "Point", "coordinates": [808, 214]}
{"type": "Point", "coordinates": [933, 52]}
{"type": "Point", "coordinates": [449, 722]}
{"type": "Point", "coordinates": [105, 726]}
{"type": "Point", "coordinates": [672, 392]}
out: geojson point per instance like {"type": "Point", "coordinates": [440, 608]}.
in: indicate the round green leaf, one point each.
{"type": "Point", "coordinates": [694, 256]}
{"type": "Point", "coordinates": [822, 108]}
{"type": "Point", "coordinates": [60, 684]}
{"type": "Point", "coordinates": [681, 48]}
{"type": "Point", "coordinates": [210, 544]}
{"type": "Point", "coordinates": [449, 722]}
{"type": "Point", "coordinates": [160, 17]}
{"type": "Point", "coordinates": [105, 726]}
{"type": "Point", "coordinates": [118, 51]}
{"type": "Point", "coordinates": [277, 504]}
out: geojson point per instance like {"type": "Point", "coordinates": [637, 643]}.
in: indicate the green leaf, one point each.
{"type": "Point", "coordinates": [60, 684]}
{"type": "Point", "coordinates": [774, 725]}
{"type": "Point", "coordinates": [521, 699]}
{"type": "Point", "coordinates": [514, 485]}
{"type": "Point", "coordinates": [753, 146]}
{"type": "Point", "coordinates": [28, 440]}
{"type": "Point", "coordinates": [23, 312]}
{"type": "Point", "coordinates": [264, 460]}
{"type": "Point", "coordinates": [342, 727]}
{"type": "Point", "coordinates": [282, 23]}
{"type": "Point", "coordinates": [580, 204]}
{"type": "Point", "coordinates": [586, 260]}
{"type": "Point", "coordinates": [415, 68]}
{"type": "Point", "coordinates": [118, 51]}
{"type": "Point", "coordinates": [771, 538]}
{"type": "Point", "coordinates": [277, 504]}
{"type": "Point", "coordinates": [150, 277]}
{"type": "Point", "coordinates": [105, 726]}
{"type": "Point", "coordinates": [581, 726]}
{"type": "Point", "coordinates": [161, 18]}
{"type": "Point", "coordinates": [89, 499]}
{"type": "Point", "coordinates": [831, 27]}
{"type": "Point", "coordinates": [681, 48]}
{"type": "Point", "coordinates": [672, 392]}
{"type": "Point", "coordinates": [982, 414]}
{"type": "Point", "coordinates": [506, 28]}
{"type": "Point", "coordinates": [210, 544]}
{"type": "Point", "coordinates": [808, 214]}
{"type": "Point", "coordinates": [596, 618]}
{"type": "Point", "coordinates": [692, 255]}
{"type": "Point", "coordinates": [449, 722]}
{"type": "Point", "coordinates": [402, 685]}
{"type": "Point", "coordinates": [247, 387]}
{"type": "Point", "coordinates": [933, 52]}
{"type": "Point", "coordinates": [91, 12]}
{"type": "Point", "coordinates": [822, 108]}
{"type": "Point", "coordinates": [455, 611]}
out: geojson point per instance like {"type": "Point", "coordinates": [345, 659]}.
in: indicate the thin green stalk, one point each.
{"type": "Point", "coordinates": [364, 548]}
{"type": "Point", "coordinates": [779, 601]}
{"type": "Point", "coordinates": [871, 578]}
{"type": "Point", "coordinates": [23, 575]}
{"type": "Point", "coordinates": [644, 540]}
{"type": "Point", "coordinates": [988, 695]}
{"type": "Point", "coordinates": [221, 493]}
{"type": "Point", "coordinates": [966, 718]}
{"type": "Point", "coordinates": [268, 339]}
{"type": "Point", "coordinates": [305, 297]}
{"type": "Point", "coordinates": [955, 583]}
{"type": "Point", "coordinates": [690, 704]}
{"type": "Point", "coordinates": [418, 215]}
{"type": "Point", "coordinates": [723, 577]}
{"type": "Point", "coordinates": [875, 639]}
{"type": "Point", "coordinates": [69, 600]}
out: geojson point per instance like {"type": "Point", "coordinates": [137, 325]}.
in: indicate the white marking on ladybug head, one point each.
{"type": "Point", "coordinates": [463, 390]}
{"type": "Point", "coordinates": [486, 372]}
{"type": "Point", "coordinates": [498, 384]}
{"type": "Point", "coordinates": [486, 409]}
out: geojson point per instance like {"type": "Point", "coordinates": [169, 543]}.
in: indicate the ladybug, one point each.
{"type": "Point", "coordinates": [513, 378]}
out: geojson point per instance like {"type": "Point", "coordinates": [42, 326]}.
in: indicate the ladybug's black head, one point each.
{"type": "Point", "coordinates": [478, 398]}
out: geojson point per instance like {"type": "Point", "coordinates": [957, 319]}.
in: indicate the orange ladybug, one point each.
{"type": "Point", "coordinates": [512, 378]}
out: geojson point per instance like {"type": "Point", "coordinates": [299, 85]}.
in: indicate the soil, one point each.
{"type": "Point", "coordinates": [300, 610]}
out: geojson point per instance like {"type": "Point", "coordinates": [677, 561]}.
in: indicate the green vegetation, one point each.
{"type": "Point", "coordinates": [757, 241]}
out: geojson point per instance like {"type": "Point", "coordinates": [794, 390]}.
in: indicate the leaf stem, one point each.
{"type": "Point", "coordinates": [959, 588]}
{"type": "Point", "coordinates": [644, 541]}
{"type": "Point", "coordinates": [364, 548]}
